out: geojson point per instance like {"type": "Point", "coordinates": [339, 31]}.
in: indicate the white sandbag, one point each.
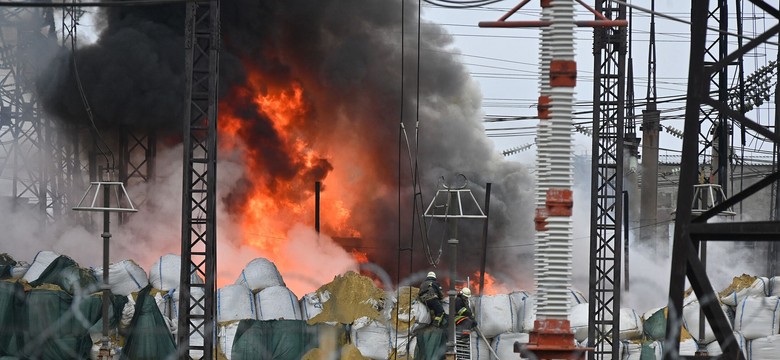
{"type": "Point", "coordinates": [371, 338]}
{"type": "Point", "coordinates": [759, 287]}
{"type": "Point", "coordinates": [497, 314]}
{"type": "Point", "coordinates": [480, 350]}
{"type": "Point", "coordinates": [524, 308]}
{"type": "Point", "coordinates": [764, 348]}
{"type": "Point", "coordinates": [504, 344]}
{"type": "Point", "coordinates": [758, 317]}
{"type": "Point", "coordinates": [165, 274]}
{"type": "Point", "coordinates": [691, 322]}
{"type": "Point", "coordinates": [259, 274]}
{"type": "Point", "coordinates": [42, 260]}
{"type": "Point", "coordinates": [631, 351]}
{"type": "Point", "coordinates": [688, 348]}
{"type": "Point", "coordinates": [402, 344]}
{"type": "Point", "coordinates": [530, 314]}
{"type": "Point", "coordinates": [225, 336]}
{"type": "Point", "coordinates": [276, 303]}
{"type": "Point", "coordinates": [630, 325]}
{"type": "Point", "coordinates": [713, 348]}
{"type": "Point", "coordinates": [124, 277]}
{"type": "Point", "coordinates": [19, 270]}
{"type": "Point", "coordinates": [235, 302]}
{"type": "Point", "coordinates": [311, 305]}
{"type": "Point", "coordinates": [579, 321]}
{"type": "Point", "coordinates": [420, 313]}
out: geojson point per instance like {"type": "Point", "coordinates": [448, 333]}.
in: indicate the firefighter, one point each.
{"type": "Point", "coordinates": [431, 295]}
{"type": "Point", "coordinates": [464, 317]}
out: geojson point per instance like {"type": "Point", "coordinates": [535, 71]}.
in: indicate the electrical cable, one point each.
{"type": "Point", "coordinates": [672, 18]}
{"type": "Point", "coordinates": [128, 3]}
{"type": "Point", "coordinates": [462, 4]}
{"type": "Point", "coordinates": [110, 163]}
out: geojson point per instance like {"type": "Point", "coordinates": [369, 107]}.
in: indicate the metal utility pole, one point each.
{"type": "Point", "coordinates": [689, 232]}
{"type": "Point", "coordinates": [607, 184]}
{"type": "Point", "coordinates": [197, 313]}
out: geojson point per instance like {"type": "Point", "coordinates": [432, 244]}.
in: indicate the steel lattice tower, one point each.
{"type": "Point", "coordinates": [197, 309]}
{"type": "Point", "coordinates": [24, 132]}
{"type": "Point", "coordinates": [607, 184]}
{"type": "Point", "coordinates": [689, 232]}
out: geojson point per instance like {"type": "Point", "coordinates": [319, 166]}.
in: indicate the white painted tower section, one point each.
{"type": "Point", "coordinates": [542, 163]}
{"type": "Point", "coordinates": [556, 279]}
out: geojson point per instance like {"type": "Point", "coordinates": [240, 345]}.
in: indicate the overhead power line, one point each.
{"type": "Point", "coordinates": [128, 3]}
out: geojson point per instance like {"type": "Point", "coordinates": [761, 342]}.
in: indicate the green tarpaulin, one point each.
{"type": "Point", "coordinates": [148, 336]}
{"type": "Point", "coordinates": [12, 299]}
{"type": "Point", "coordinates": [655, 326]}
{"type": "Point", "coordinates": [279, 339]}
{"type": "Point", "coordinates": [6, 264]}
{"type": "Point", "coordinates": [431, 344]}
{"type": "Point", "coordinates": [66, 273]}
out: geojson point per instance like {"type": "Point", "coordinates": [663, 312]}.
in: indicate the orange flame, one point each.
{"type": "Point", "coordinates": [359, 256]}
{"type": "Point", "coordinates": [492, 285]}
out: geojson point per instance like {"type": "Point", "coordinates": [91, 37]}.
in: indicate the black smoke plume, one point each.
{"type": "Point", "coordinates": [347, 56]}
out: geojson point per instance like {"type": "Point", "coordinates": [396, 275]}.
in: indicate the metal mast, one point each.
{"type": "Point", "coordinates": [197, 310]}
{"type": "Point", "coordinates": [689, 232]}
{"type": "Point", "coordinates": [651, 126]}
{"type": "Point", "coordinates": [607, 184]}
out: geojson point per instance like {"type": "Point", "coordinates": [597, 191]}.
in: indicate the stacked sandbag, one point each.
{"type": "Point", "coordinates": [349, 297]}
{"type": "Point", "coordinates": [713, 348]}
{"type": "Point", "coordinates": [630, 325]}
{"type": "Point", "coordinates": [165, 274]}
{"type": "Point", "coordinates": [767, 347]}
{"type": "Point", "coordinates": [41, 261]}
{"type": "Point", "coordinates": [259, 274]}
{"type": "Point", "coordinates": [744, 286]}
{"type": "Point", "coordinates": [524, 309]}
{"type": "Point", "coordinates": [372, 338]}
{"type": "Point", "coordinates": [480, 350]}
{"type": "Point", "coordinates": [311, 304]}
{"type": "Point", "coordinates": [758, 317]}
{"type": "Point", "coordinates": [403, 344]}
{"type": "Point", "coordinates": [405, 313]}
{"type": "Point", "coordinates": [499, 313]}
{"type": "Point", "coordinates": [235, 302]}
{"type": "Point", "coordinates": [691, 315]}
{"type": "Point", "coordinates": [578, 319]}
{"type": "Point", "coordinates": [225, 336]}
{"type": "Point", "coordinates": [688, 347]}
{"type": "Point", "coordinates": [7, 263]}
{"type": "Point", "coordinates": [124, 277]}
{"type": "Point", "coordinates": [631, 350]}
{"type": "Point", "coordinates": [504, 345]}
{"type": "Point", "coordinates": [277, 303]}
{"type": "Point", "coordinates": [654, 325]}
{"type": "Point", "coordinates": [19, 270]}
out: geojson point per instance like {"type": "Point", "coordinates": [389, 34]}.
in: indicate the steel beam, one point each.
{"type": "Point", "coordinates": [688, 231]}
{"type": "Point", "coordinates": [607, 184]}
{"type": "Point", "coordinates": [197, 311]}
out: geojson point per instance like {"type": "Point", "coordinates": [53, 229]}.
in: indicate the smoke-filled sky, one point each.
{"type": "Point", "coordinates": [346, 56]}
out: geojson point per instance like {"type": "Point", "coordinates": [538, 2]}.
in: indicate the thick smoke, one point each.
{"type": "Point", "coordinates": [347, 58]}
